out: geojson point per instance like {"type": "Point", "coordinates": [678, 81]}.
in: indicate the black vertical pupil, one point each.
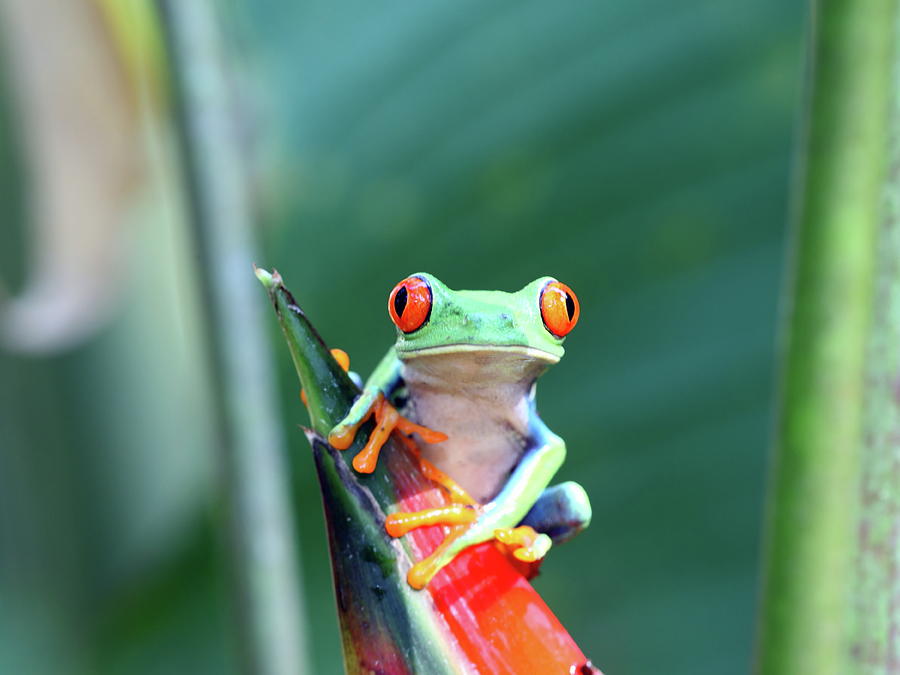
{"type": "Point", "coordinates": [400, 300]}
{"type": "Point", "coordinates": [570, 306]}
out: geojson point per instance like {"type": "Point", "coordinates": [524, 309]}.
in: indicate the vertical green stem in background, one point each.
{"type": "Point", "coordinates": [875, 614]}
{"type": "Point", "coordinates": [272, 630]}
{"type": "Point", "coordinates": [815, 614]}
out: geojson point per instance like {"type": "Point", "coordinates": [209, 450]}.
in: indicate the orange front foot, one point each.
{"type": "Point", "coordinates": [386, 420]}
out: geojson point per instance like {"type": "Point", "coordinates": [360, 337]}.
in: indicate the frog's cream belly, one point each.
{"type": "Point", "coordinates": [482, 404]}
{"type": "Point", "coordinates": [481, 449]}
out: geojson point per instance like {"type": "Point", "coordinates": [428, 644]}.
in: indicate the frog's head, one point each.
{"type": "Point", "coordinates": [432, 319]}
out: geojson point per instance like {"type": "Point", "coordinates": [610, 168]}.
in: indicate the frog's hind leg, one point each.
{"type": "Point", "coordinates": [400, 523]}
{"type": "Point", "coordinates": [561, 512]}
{"type": "Point", "coordinates": [423, 571]}
{"type": "Point", "coordinates": [458, 516]}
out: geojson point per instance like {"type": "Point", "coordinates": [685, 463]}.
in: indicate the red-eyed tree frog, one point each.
{"type": "Point", "coordinates": [465, 363]}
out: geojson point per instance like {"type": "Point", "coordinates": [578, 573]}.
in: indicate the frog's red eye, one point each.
{"type": "Point", "coordinates": [559, 308]}
{"type": "Point", "coordinates": [410, 304]}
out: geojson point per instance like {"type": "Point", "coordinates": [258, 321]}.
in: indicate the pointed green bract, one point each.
{"type": "Point", "coordinates": [329, 390]}
{"type": "Point", "coordinates": [386, 626]}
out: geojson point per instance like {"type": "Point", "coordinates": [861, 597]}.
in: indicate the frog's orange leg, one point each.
{"type": "Point", "coordinates": [342, 358]}
{"type": "Point", "coordinates": [387, 419]}
{"type": "Point", "coordinates": [524, 542]}
{"type": "Point", "coordinates": [423, 571]}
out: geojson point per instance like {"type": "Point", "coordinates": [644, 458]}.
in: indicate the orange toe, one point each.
{"type": "Point", "coordinates": [523, 542]}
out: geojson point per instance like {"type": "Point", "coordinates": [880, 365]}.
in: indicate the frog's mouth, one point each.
{"type": "Point", "coordinates": [473, 370]}
{"type": "Point", "coordinates": [487, 351]}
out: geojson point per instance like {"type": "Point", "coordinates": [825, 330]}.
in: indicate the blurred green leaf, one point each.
{"type": "Point", "coordinates": [638, 150]}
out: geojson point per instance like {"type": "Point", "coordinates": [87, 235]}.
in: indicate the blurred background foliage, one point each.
{"type": "Point", "coordinates": [640, 151]}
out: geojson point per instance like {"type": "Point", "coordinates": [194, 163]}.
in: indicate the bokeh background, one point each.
{"type": "Point", "coordinates": [640, 151]}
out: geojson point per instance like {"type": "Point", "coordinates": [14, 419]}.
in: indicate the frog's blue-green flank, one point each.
{"type": "Point", "coordinates": [465, 364]}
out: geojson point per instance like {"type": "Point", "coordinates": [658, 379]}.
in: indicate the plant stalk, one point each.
{"type": "Point", "coordinates": [817, 610]}
{"type": "Point", "coordinates": [272, 629]}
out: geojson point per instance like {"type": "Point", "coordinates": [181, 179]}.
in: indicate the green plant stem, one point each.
{"type": "Point", "coordinates": [875, 614]}
{"type": "Point", "coordinates": [813, 604]}
{"type": "Point", "coordinates": [263, 547]}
